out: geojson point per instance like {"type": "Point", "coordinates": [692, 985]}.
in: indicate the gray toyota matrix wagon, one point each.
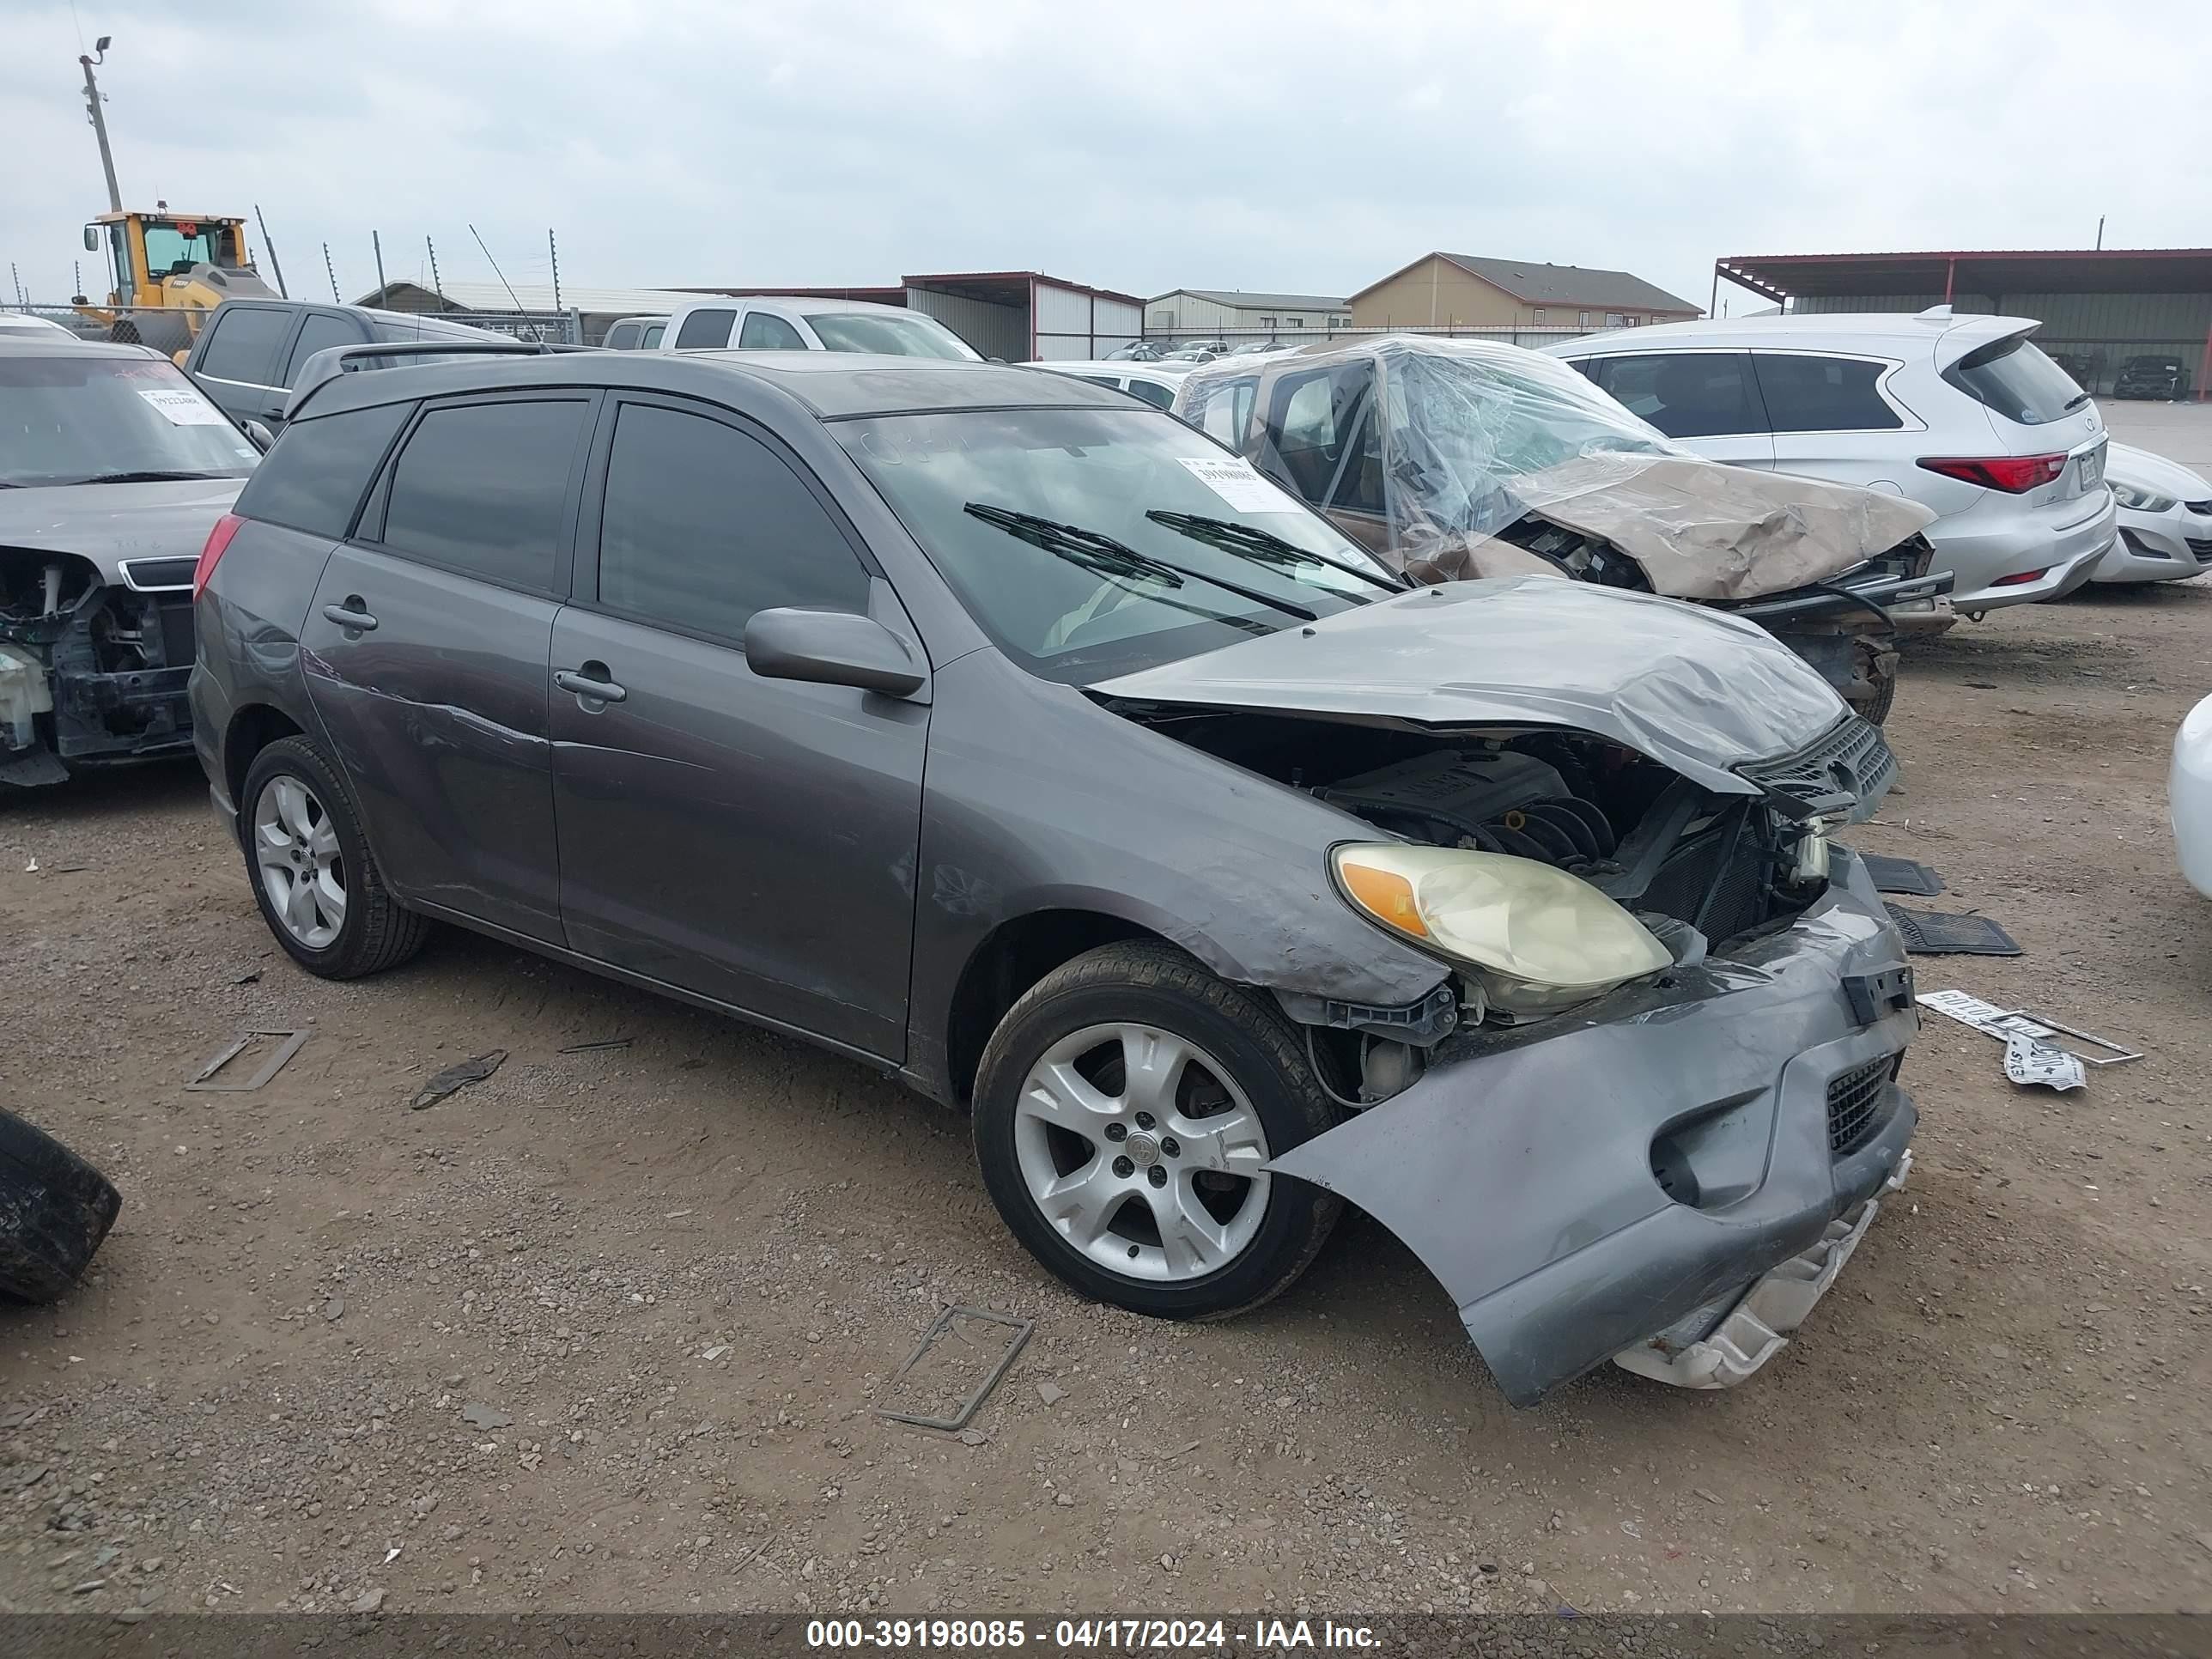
{"type": "Point", "coordinates": [1005, 734]}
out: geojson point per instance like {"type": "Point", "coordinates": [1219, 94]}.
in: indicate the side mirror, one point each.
{"type": "Point", "coordinates": [92, 238]}
{"type": "Point", "coordinates": [832, 647]}
{"type": "Point", "coordinates": [261, 435]}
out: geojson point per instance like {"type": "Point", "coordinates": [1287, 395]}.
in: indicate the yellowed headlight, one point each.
{"type": "Point", "coordinates": [1519, 920]}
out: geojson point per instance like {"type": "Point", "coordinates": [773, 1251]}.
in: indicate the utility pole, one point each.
{"type": "Point", "coordinates": [331, 272]}
{"type": "Point", "coordinates": [376, 242]}
{"type": "Point", "coordinates": [275, 263]}
{"type": "Point", "coordinates": [92, 102]}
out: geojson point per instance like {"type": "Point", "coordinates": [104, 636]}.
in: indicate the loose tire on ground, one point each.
{"type": "Point", "coordinates": [376, 932]}
{"type": "Point", "coordinates": [1151, 986]}
{"type": "Point", "coordinates": [55, 1209]}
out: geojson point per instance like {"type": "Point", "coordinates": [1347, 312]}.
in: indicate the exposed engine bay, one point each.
{"type": "Point", "coordinates": [1703, 872]}
{"type": "Point", "coordinates": [91, 672]}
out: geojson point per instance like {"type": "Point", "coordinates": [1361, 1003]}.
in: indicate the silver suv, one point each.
{"type": "Point", "coordinates": [1963, 414]}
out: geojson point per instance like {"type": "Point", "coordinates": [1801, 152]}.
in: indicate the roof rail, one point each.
{"type": "Point", "coordinates": [334, 361]}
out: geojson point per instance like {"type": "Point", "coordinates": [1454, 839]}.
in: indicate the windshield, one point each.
{"type": "Point", "coordinates": [2014, 378]}
{"type": "Point", "coordinates": [66, 419]}
{"type": "Point", "coordinates": [1091, 542]}
{"type": "Point", "coordinates": [894, 336]}
{"type": "Point", "coordinates": [1439, 440]}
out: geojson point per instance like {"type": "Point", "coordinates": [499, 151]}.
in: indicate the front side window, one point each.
{"type": "Point", "coordinates": [2013, 377]}
{"type": "Point", "coordinates": [1312, 420]}
{"type": "Point", "coordinates": [894, 334]}
{"type": "Point", "coordinates": [1685, 394]}
{"type": "Point", "coordinates": [484, 488]}
{"type": "Point", "coordinates": [1093, 542]}
{"type": "Point", "coordinates": [82, 418]}
{"type": "Point", "coordinates": [765, 332]}
{"type": "Point", "coordinates": [318, 333]}
{"type": "Point", "coordinates": [703, 525]}
{"type": "Point", "coordinates": [705, 331]}
{"type": "Point", "coordinates": [315, 476]}
{"type": "Point", "coordinates": [1805, 393]}
{"type": "Point", "coordinates": [243, 346]}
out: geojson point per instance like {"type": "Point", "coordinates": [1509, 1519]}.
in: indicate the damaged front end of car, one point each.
{"type": "Point", "coordinates": [1649, 1112]}
{"type": "Point", "coordinates": [91, 671]}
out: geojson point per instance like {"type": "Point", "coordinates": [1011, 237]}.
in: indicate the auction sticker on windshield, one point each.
{"type": "Point", "coordinates": [1236, 483]}
{"type": "Point", "coordinates": [183, 408]}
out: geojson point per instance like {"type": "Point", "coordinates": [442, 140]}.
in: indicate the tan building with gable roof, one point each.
{"type": "Point", "coordinates": [1464, 291]}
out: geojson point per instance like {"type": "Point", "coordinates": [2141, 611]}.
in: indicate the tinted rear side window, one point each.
{"type": "Point", "coordinates": [703, 525]}
{"type": "Point", "coordinates": [484, 488]}
{"type": "Point", "coordinates": [318, 333]}
{"type": "Point", "coordinates": [1685, 394]}
{"type": "Point", "coordinates": [2014, 377]}
{"type": "Point", "coordinates": [1822, 394]}
{"type": "Point", "coordinates": [763, 332]}
{"type": "Point", "coordinates": [315, 476]}
{"type": "Point", "coordinates": [1158, 396]}
{"type": "Point", "coordinates": [703, 329]}
{"type": "Point", "coordinates": [244, 344]}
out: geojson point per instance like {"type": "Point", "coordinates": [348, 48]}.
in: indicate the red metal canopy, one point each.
{"type": "Point", "coordinates": [1782, 277]}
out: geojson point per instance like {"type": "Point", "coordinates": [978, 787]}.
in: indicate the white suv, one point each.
{"type": "Point", "coordinates": [1964, 414]}
{"type": "Point", "coordinates": [802, 323]}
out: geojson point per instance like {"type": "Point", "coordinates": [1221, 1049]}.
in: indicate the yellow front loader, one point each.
{"type": "Point", "coordinates": [169, 271]}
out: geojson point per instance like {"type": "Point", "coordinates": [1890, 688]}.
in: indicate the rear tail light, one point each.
{"type": "Point", "coordinates": [2013, 474]}
{"type": "Point", "coordinates": [2021, 578]}
{"type": "Point", "coordinates": [218, 538]}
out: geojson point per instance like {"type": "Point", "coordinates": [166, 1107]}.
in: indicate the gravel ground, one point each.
{"type": "Point", "coordinates": [606, 1331]}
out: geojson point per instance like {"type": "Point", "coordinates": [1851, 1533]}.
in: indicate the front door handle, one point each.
{"type": "Point", "coordinates": [591, 687]}
{"type": "Point", "coordinates": [351, 616]}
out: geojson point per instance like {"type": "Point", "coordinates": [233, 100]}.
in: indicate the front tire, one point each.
{"type": "Point", "coordinates": [313, 877]}
{"type": "Point", "coordinates": [1124, 1108]}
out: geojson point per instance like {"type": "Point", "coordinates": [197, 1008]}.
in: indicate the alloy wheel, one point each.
{"type": "Point", "coordinates": [295, 847]}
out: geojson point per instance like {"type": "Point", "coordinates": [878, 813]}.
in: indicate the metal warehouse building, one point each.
{"type": "Point", "coordinates": [2135, 319]}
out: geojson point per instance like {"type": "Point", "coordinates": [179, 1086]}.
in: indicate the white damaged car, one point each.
{"type": "Point", "coordinates": [2164, 517]}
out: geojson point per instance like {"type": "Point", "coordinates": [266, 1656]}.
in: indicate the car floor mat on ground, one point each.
{"type": "Point", "coordinates": [1928, 934]}
{"type": "Point", "coordinates": [1901, 876]}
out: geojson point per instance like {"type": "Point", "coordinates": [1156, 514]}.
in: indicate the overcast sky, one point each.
{"type": "Point", "coordinates": [1285, 145]}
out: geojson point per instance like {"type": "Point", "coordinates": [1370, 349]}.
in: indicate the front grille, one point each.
{"type": "Point", "coordinates": [2205, 508]}
{"type": "Point", "coordinates": [2202, 547]}
{"type": "Point", "coordinates": [1850, 756]}
{"type": "Point", "coordinates": [1856, 1099]}
{"type": "Point", "coordinates": [147, 575]}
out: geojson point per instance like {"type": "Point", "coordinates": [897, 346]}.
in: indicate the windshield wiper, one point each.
{"type": "Point", "coordinates": [1110, 557]}
{"type": "Point", "coordinates": [144, 477]}
{"type": "Point", "coordinates": [2075, 401]}
{"type": "Point", "coordinates": [1251, 542]}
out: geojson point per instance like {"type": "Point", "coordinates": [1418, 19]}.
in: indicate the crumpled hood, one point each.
{"type": "Point", "coordinates": [1703, 531]}
{"type": "Point", "coordinates": [1694, 689]}
{"type": "Point", "coordinates": [110, 523]}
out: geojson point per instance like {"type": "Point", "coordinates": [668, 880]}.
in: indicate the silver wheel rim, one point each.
{"type": "Point", "coordinates": [295, 847]}
{"type": "Point", "coordinates": [1139, 1148]}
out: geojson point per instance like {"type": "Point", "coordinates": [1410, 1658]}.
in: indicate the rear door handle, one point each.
{"type": "Point", "coordinates": [350, 616]}
{"type": "Point", "coordinates": [593, 688]}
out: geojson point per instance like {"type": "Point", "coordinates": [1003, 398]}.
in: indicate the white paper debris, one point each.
{"type": "Point", "coordinates": [2029, 1061]}
{"type": "Point", "coordinates": [1233, 480]}
{"type": "Point", "coordinates": [181, 407]}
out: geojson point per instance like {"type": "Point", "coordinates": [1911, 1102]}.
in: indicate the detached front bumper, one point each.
{"type": "Point", "coordinates": [1629, 1172]}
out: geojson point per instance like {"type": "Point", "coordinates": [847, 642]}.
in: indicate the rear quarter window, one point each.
{"type": "Point", "coordinates": [1822, 394]}
{"type": "Point", "coordinates": [314, 478]}
{"type": "Point", "coordinates": [2014, 377]}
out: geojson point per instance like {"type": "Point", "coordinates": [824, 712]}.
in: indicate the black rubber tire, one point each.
{"type": "Point", "coordinates": [1884, 699]}
{"type": "Point", "coordinates": [378, 932]}
{"type": "Point", "coordinates": [55, 1209]}
{"type": "Point", "coordinates": [1161, 985]}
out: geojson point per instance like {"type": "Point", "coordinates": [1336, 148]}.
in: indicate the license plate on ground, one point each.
{"type": "Point", "coordinates": [2090, 469]}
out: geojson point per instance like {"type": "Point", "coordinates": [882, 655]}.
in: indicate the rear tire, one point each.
{"type": "Point", "coordinates": [55, 1209]}
{"type": "Point", "coordinates": [1122, 1110]}
{"type": "Point", "coordinates": [313, 877]}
